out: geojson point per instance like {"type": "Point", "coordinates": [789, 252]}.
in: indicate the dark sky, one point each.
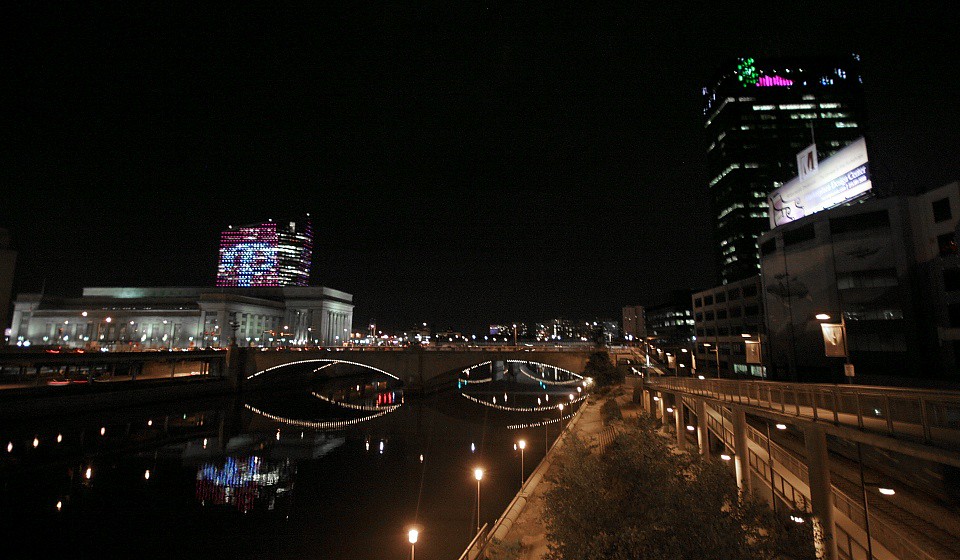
{"type": "Point", "coordinates": [464, 164]}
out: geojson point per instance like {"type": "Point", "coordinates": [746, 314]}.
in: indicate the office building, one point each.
{"type": "Point", "coordinates": [758, 115]}
{"type": "Point", "coordinates": [728, 321]}
{"type": "Point", "coordinates": [267, 254]}
{"type": "Point", "coordinates": [875, 285]}
{"type": "Point", "coordinates": [634, 323]}
{"type": "Point", "coordinates": [670, 330]}
{"type": "Point", "coordinates": [184, 317]}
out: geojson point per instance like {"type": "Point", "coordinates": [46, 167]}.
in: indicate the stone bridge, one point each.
{"type": "Point", "coordinates": [419, 368]}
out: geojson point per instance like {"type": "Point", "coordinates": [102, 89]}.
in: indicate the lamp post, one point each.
{"type": "Point", "coordinates": [863, 490]}
{"type": "Point", "coordinates": [522, 444]}
{"type": "Point", "coordinates": [412, 535]}
{"type": "Point", "coordinates": [848, 371]}
{"type": "Point", "coordinates": [478, 474]}
{"type": "Point", "coordinates": [716, 351]}
{"type": "Point", "coordinates": [560, 406]}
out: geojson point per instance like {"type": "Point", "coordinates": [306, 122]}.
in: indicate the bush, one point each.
{"type": "Point", "coordinates": [639, 499]}
{"type": "Point", "coordinates": [610, 411]}
{"type": "Point", "coordinates": [602, 370]}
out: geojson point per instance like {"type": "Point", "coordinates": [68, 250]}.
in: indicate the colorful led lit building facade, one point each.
{"type": "Point", "coordinates": [759, 114]}
{"type": "Point", "coordinates": [267, 254]}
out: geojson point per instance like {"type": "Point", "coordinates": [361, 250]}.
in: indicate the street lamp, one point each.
{"type": "Point", "coordinates": [863, 490]}
{"type": "Point", "coordinates": [827, 329]}
{"type": "Point", "coordinates": [716, 351]}
{"type": "Point", "coordinates": [412, 535]}
{"type": "Point", "coordinates": [522, 444]}
{"type": "Point", "coordinates": [560, 406]}
{"type": "Point", "coordinates": [478, 474]}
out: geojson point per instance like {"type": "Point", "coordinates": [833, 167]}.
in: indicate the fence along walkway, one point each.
{"type": "Point", "coordinates": [919, 422]}
{"type": "Point", "coordinates": [895, 532]}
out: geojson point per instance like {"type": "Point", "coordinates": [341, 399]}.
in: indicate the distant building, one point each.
{"type": "Point", "coordinates": [670, 328]}
{"type": "Point", "coordinates": [722, 316]}
{"type": "Point", "coordinates": [758, 115]}
{"type": "Point", "coordinates": [267, 254]}
{"type": "Point", "coordinates": [634, 323]}
{"type": "Point", "coordinates": [175, 317]}
{"type": "Point", "coordinates": [889, 267]}
{"type": "Point", "coordinates": [8, 262]}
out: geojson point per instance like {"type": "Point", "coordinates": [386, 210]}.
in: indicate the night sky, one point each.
{"type": "Point", "coordinates": [464, 164]}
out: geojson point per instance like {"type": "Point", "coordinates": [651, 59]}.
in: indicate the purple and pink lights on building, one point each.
{"type": "Point", "coordinates": [265, 255]}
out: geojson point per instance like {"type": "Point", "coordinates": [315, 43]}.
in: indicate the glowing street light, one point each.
{"type": "Point", "coordinates": [478, 474]}
{"type": "Point", "coordinates": [522, 444]}
{"type": "Point", "coordinates": [412, 536]}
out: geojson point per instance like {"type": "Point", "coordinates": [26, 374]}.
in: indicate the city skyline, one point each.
{"type": "Point", "coordinates": [461, 166]}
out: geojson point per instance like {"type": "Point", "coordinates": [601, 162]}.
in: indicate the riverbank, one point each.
{"type": "Point", "coordinates": [520, 533]}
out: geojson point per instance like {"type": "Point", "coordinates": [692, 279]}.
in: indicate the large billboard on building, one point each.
{"type": "Point", "coordinates": [843, 176]}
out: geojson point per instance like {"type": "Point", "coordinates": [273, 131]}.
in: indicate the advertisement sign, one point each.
{"type": "Point", "coordinates": [833, 340]}
{"type": "Point", "coordinates": [807, 163]}
{"type": "Point", "coordinates": [753, 352]}
{"type": "Point", "coordinates": [829, 183]}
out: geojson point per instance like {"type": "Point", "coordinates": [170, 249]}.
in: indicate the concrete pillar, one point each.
{"type": "Point", "coordinates": [678, 416]}
{"type": "Point", "coordinates": [740, 450]}
{"type": "Point", "coordinates": [703, 438]}
{"type": "Point", "coordinates": [821, 496]}
{"type": "Point", "coordinates": [650, 403]}
{"type": "Point", "coordinates": [664, 419]}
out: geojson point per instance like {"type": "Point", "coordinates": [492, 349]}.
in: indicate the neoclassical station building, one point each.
{"type": "Point", "coordinates": [184, 317]}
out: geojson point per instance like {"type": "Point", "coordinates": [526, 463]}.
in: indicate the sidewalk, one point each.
{"type": "Point", "coordinates": [528, 529]}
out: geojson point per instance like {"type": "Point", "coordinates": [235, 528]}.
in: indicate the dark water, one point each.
{"type": "Point", "coordinates": [332, 470]}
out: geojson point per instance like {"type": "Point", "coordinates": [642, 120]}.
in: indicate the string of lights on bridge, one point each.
{"type": "Point", "coordinates": [336, 424]}
{"type": "Point", "coordinates": [331, 361]}
{"type": "Point", "coordinates": [494, 404]}
{"type": "Point", "coordinates": [366, 407]}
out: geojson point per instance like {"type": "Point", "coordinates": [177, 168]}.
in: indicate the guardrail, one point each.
{"type": "Point", "coordinates": [852, 508]}
{"type": "Point", "coordinates": [924, 415]}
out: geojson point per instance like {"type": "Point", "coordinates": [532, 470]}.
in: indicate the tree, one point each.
{"type": "Point", "coordinates": [641, 499]}
{"type": "Point", "coordinates": [602, 370]}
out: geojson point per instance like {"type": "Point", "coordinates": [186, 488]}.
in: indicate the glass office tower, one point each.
{"type": "Point", "coordinates": [758, 115]}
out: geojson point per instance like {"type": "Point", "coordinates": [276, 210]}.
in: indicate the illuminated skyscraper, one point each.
{"type": "Point", "coordinates": [759, 114]}
{"type": "Point", "coordinates": [266, 254]}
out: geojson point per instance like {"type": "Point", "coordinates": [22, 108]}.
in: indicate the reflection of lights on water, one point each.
{"type": "Point", "coordinates": [59, 505]}
{"type": "Point", "coordinates": [88, 473]}
{"type": "Point", "coordinates": [421, 457]}
{"type": "Point", "coordinates": [9, 447]}
{"type": "Point", "coordinates": [204, 443]}
{"type": "Point", "coordinates": [149, 422]}
{"type": "Point", "coordinates": [278, 435]}
{"type": "Point", "coordinates": [146, 474]}
{"type": "Point", "coordinates": [103, 431]}
{"type": "Point", "coordinates": [36, 442]}
{"type": "Point", "coordinates": [473, 448]}
{"type": "Point", "coordinates": [59, 438]}
{"type": "Point", "coordinates": [367, 445]}
{"type": "Point", "coordinates": [381, 446]}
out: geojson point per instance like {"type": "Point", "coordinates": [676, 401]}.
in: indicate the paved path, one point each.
{"type": "Point", "coordinates": [528, 528]}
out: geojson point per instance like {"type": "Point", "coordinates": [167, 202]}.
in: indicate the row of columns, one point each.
{"type": "Point", "coordinates": [815, 443]}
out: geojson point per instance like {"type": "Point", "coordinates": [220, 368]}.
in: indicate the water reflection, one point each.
{"type": "Point", "coordinates": [297, 472]}
{"type": "Point", "coordinates": [244, 483]}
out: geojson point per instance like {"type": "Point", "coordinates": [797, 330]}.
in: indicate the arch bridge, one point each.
{"type": "Point", "coordinates": [418, 368]}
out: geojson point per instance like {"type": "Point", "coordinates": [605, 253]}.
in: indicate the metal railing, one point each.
{"type": "Point", "coordinates": [923, 415]}
{"type": "Point", "coordinates": [852, 508]}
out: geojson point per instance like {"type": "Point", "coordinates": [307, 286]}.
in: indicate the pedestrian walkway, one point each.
{"type": "Point", "coordinates": [528, 530]}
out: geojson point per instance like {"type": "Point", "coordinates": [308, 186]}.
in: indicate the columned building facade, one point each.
{"type": "Point", "coordinates": [184, 317]}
